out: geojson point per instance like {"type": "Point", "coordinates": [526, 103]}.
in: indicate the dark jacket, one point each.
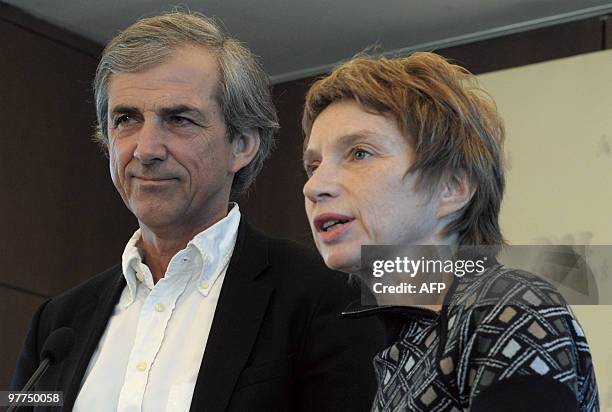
{"type": "Point", "coordinates": [276, 343]}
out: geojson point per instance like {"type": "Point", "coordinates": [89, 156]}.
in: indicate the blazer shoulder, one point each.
{"type": "Point", "coordinates": [99, 284]}
{"type": "Point", "coordinates": [290, 253]}
{"type": "Point", "coordinates": [79, 302]}
{"type": "Point", "coordinates": [287, 251]}
{"type": "Point", "coordinates": [305, 266]}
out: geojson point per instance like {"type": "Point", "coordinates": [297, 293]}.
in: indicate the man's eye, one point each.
{"type": "Point", "coordinates": [123, 120]}
{"type": "Point", "coordinates": [360, 154]}
{"type": "Point", "coordinates": [180, 121]}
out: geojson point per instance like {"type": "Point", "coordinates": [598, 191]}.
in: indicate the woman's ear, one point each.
{"type": "Point", "coordinates": [455, 192]}
{"type": "Point", "coordinates": [244, 149]}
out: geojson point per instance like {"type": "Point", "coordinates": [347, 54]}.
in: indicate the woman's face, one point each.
{"type": "Point", "coordinates": [358, 190]}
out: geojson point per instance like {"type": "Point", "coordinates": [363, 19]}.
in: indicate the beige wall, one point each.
{"type": "Point", "coordinates": [559, 159]}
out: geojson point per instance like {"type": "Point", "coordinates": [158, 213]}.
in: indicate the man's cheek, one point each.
{"type": "Point", "coordinates": [112, 166]}
{"type": "Point", "coordinates": [116, 174]}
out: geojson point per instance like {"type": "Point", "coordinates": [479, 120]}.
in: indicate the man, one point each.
{"type": "Point", "coordinates": [408, 151]}
{"type": "Point", "coordinates": [203, 313]}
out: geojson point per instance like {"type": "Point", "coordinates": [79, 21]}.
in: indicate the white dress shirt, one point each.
{"type": "Point", "coordinates": [150, 354]}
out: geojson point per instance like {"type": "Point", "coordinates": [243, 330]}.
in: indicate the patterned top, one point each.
{"type": "Point", "coordinates": [501, 324]}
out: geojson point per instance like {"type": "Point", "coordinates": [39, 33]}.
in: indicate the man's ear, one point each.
{"type": "Point", "coordinates": [244, 149]}
{"type": "Point", "coordinates": [454, 193]}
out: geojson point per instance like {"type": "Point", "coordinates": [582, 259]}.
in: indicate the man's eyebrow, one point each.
{"type": "Point", "coordinates": [164, 111]}
{"type": "Point", "coordinates": [180, 109]}
{"type": "Point", "coordinates": [122, 109]}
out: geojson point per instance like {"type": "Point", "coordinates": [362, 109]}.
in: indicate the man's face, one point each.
{"type": "Point", "coordinates": [170, 158]}
{"type": "Point", "coordinates": [358, 191]}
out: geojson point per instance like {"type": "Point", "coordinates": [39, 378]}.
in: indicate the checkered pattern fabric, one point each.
{"type": "Point", "coordinates": [500, 324]}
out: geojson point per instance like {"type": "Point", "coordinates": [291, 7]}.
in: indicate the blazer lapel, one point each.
{"type": "Point", "coordinates": [92, 320]}
{"type": "Point", "coordinates": [241, 308]}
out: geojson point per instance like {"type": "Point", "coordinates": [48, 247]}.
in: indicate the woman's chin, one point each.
{"type": "Point", "coordinates": [352, 266]}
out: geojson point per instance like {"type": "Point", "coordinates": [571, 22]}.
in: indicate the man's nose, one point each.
{"type": "Point", "coordinates": [324, 183]}
{"type": "Point", "coordinates": [151, 144]}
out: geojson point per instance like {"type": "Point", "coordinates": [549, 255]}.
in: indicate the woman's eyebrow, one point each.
{"type": "Point", "coordinates": [356, 137]}
{"type": "Point", "coordinates": [344, 141]}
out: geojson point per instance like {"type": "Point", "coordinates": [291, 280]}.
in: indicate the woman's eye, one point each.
{"type": "Point", "coordinates": [360, 154]}
{"type": "Point", "coordinates": [310, 169]}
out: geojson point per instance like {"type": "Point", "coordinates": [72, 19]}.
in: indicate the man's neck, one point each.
{"type": "Point", "coordinates": [158, 247]}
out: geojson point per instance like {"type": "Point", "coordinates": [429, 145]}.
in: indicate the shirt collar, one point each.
{"type": "Point", "coordinates": [213, 245]}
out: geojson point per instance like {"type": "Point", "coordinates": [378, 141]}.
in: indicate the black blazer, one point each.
{"type": "Point", "coordinates": [277, 342]}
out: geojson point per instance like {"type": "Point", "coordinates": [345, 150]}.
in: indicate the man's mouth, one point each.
{"type": "Point", "coordinates": [153, 179]}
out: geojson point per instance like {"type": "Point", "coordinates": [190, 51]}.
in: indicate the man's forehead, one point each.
{"type": "Point", "coordinates": [157, 100]}
{"type": "Point", "coordinates": [187, 71]}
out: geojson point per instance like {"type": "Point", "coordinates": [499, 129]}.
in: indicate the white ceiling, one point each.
{"type": "Point", "coordinates": [297, 38]}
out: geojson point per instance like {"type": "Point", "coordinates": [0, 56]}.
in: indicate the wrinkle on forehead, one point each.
{"type": "Point", "coordinates": [186, 70]}
{"type": "Point", "coordinates": [157, 94]}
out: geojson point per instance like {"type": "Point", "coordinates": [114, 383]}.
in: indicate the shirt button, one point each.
{"type": "Point", "coordinates": [205, 285]}
{"type": "Point", "coordinates": [139, 276]}
{"type": "Point", "coordinates": [160, 307]}
{"type": "Point", "coordinates": [142, 366]}
{"type": "Point", "coordinates": [185, 259]}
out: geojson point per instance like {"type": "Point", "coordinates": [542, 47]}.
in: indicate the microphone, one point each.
{"type": "Point", "coordinates": [57, 346]}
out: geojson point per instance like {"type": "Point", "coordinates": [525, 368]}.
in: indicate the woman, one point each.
{"type": "Point", "coordinates": [408, 151]}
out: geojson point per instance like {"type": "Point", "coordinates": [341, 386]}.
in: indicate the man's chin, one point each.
{"type": "Point", "coordinates": [156, 219]}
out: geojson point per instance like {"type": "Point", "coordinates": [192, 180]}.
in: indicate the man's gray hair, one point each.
{"type": "Point", "coordinates": [244, 90]}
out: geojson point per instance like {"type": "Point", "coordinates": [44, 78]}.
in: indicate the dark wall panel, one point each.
{"type": "Point", "coordinates": [607, 32]}
{"type": "Point", "coordinates": [529, 47]}
{"type": "Point", "coordinates": [16, 310]}
{"type": "Point", "coordinates": [62, 220]}
{"type": "Point", "coordinates": [276, 203]}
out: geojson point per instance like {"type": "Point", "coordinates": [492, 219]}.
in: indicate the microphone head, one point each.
{"type": "Point", "coordinates": [58, 345]}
